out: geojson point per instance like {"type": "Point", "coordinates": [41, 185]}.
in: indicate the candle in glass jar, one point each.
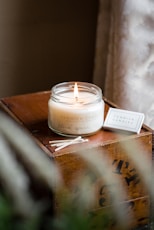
{"type": "Point", "coordinates": [75, 109]}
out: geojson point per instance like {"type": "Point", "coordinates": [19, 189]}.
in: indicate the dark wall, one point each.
{"type": "Point", "coordinates": [45, 42]}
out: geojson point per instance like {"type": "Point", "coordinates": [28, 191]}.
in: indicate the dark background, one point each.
{"type": "Point", "coordinates": [45, 42]}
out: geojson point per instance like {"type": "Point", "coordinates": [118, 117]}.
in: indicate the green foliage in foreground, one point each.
{"type": "Point", "coordinates": [69, 218]}
{"type": "Point", "coordinates": [8, 220]}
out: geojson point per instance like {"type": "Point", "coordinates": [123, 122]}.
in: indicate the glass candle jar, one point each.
{"type": "Point", "coordinates": [75, 109]}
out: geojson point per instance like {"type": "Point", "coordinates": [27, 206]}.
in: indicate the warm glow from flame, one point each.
{"type": "Point", "coordinates": [76, 91]}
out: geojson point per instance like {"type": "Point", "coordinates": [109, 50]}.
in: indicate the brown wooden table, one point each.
{"type": "Point", "coordinates": [31, 111]}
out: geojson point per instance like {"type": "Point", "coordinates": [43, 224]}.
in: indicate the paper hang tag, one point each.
{"type": "Point", "coordinates": [123, 120]}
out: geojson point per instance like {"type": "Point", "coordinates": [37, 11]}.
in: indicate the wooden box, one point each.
{"type": "Point", "coordinates": [31, 111]}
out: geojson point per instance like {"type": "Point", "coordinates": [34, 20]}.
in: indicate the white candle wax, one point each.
{"type": "Point", "coordinates": [76, 116]}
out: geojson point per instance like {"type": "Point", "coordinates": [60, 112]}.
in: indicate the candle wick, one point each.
{"type": "Point", "coordinates": [76, 99]}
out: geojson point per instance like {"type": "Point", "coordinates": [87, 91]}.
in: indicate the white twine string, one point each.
{"type": "Point", "coordinates": [60, 144]}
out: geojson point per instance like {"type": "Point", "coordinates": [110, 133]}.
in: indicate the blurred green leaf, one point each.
{"type": "Point", "coordinates": [5, 213]}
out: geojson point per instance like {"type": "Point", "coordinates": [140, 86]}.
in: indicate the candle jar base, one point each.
{"type": "Point", "coordinates": [73, 135]}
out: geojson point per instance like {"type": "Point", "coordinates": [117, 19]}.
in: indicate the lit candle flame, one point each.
{"type": "Point", "coordinates": [76, 91]}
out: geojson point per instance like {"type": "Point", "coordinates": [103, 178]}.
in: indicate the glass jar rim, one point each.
{"type": "Point", "coordinates": [60, 92]}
